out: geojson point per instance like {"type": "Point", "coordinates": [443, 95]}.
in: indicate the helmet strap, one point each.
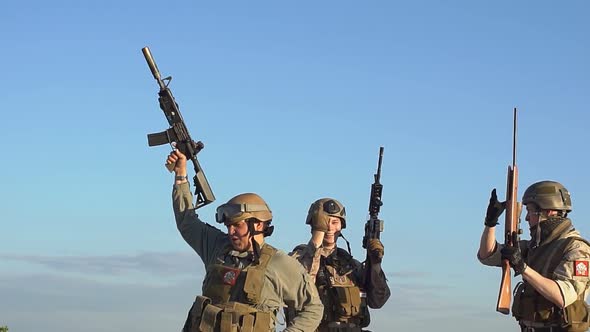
{"type": "Point", "coordinates": [255, 245]}
{"type": "Point", "coordinates": [347, 243]}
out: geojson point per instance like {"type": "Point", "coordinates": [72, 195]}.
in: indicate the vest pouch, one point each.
{"type": "Point", "coordinates": [210, 319]}
{"type": "Point", "coordinates": [576, 316]}
{"type": "Point", "coordinates": [517, 305]}
{"type": "Point", "coordinates": [244, 318]}
{"type": "Point", "coordinates": [531, 306]}
{"type": "Point", "coordinates": [347, 301]}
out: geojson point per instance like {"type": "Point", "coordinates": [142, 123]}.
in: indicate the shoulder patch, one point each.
{"type": "Point", "coordinates": [577, 250]}
{"type": "Point", "coordinates": [581, 268]}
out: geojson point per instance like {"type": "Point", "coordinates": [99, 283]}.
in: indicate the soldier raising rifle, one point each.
{"type": "Point", "coordinates": [553, 263]}
{"type": "Point", "coordinates": [346, 286]}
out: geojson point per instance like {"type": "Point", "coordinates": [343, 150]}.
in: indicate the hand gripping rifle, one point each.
{"type": "Point", "coordinates": [177, 135]}
{"type": "Point", "coordinates": [511, 229]}
{"type": "Point", "coordinates": [374, 226]}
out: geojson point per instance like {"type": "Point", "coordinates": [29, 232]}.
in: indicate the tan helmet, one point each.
{"type": "Point", "coordinates": [548, 195]}
{"type": "Point", "coordinates": [324, 208]}
{"type": "Point", "coordinates": [241, 207]}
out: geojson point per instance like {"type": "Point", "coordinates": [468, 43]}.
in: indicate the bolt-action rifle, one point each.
{"type": "Point", "coordinates": [511, 228]}
{"type": "Point", "coordinates": [374, 226]}
{"type": "Point", "coordinates": [177, 135]}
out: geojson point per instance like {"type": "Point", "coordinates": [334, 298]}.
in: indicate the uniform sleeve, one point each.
{"type": "Point", "coordinates": [309, 256]}
{"type": "Point", "coordinates": [378, 291]}
{"type": "Point", "coordinates": [203, 238]}
{"type": "Point", "coordinates": [299, 293]}
{"type": "Point", "coordinates": [571, 275]}
{"type": "Point", "coordinates": [495, 259]}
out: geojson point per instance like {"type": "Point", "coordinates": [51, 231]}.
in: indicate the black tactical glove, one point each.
{"type": "Point", "coordinates": [376, 251]}
{"type": "Point", "coordinates": [514, 256]}
{"type": "Point", "coordinates": [495, 209]}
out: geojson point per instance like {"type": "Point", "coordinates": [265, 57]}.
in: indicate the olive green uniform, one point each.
{"type": "Point", "coordinates": [280, 282]}
{"type": "Point", "coordinates": [562, 256]}
{"type": "Point", "coordinates": [339, 277]}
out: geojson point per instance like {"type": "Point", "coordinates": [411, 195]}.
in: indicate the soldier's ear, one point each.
{"type": "Point", "coordinates": [259, 226]}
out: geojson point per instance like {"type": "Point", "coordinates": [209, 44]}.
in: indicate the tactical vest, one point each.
{"type": "Point", "coordinates": [345, 310]}
{"type": "Point", "coordinates": [530, 307]}
{"type": "Point", "coordinates": [229, 299]}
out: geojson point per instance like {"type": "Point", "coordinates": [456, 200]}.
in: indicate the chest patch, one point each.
{"type": "Point", "coordinates": [581, 268]}
{"type": "Point", "coordinates": [230, 276]}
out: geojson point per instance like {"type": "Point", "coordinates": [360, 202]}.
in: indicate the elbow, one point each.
{"type": "Point", "coordinates": [377, 301]}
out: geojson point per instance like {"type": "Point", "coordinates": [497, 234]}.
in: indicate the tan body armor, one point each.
{"type": "Point", "coordinates": [345, 310]}
{"type": "Point", "coordinates": [230, 296]}
{"type": "Point", "coordinates": [531, 309]}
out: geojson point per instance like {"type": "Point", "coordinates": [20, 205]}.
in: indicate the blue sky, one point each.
{"type": "Point", "coordinates": [292, 101]}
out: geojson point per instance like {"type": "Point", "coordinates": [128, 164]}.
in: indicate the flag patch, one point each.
{"type": "Point", "coordinates": [230, 276]}
{"type": "Point", "coordinates": [581, 268]}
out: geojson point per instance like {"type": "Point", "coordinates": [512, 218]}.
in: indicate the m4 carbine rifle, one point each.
{"type": "Point", "coordinates": [177, 135]}
{"type": "Point", "coordinates": [374, 226]}
{"type": "Point", "coordinates": [511, 228]}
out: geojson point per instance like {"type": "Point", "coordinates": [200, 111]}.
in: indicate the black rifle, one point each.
{"type": "Point", "coordinates": [177, 135]}
{"type": "Point", "coordinates": [373, 226]}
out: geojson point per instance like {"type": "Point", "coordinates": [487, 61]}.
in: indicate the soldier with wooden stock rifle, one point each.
{"type": "Point", "coordinates": [553, 264]}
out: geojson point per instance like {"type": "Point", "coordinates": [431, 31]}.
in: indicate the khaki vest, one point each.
{"type": "Point", "coordinates": [345, 310]}
{"type": "Point", "coordinates": [229, 297]}
{"type": "Point", "coordinates": [530, 306]}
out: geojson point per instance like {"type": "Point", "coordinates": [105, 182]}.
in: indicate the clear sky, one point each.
{"type": "Point", "coordinates": [292, 100]}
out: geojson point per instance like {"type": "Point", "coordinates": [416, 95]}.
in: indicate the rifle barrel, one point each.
{"type": "Point", "coordinates": [514, 140]}
{"type": "Point", "coordinates": [153, 67]}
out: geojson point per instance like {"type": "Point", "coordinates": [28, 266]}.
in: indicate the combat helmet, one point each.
{"type": "Point", "coordinates": [242, 207]}
{"type": "Point", "coordinates": [548, 195]}
{"type": "Point", "coordinates": [323, 209]}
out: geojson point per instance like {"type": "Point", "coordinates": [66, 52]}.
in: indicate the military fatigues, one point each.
{"type": "Point", "coordinates": [237, 292]}
{"type": "Point", "coordinates": [339, 279]}
{"type": "Point", "coordinates": [562, 256]}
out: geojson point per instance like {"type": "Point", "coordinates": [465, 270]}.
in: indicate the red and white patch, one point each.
{"type": "Point", "coordinates": [581, 268]}
{"type": "Point", "coordinates": [230, 276]}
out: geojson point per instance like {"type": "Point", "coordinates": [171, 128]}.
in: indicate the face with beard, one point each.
{"type": "Point", "coordinates": [239, 234]}
{"type": "Point", "coordinates": [334, 228]}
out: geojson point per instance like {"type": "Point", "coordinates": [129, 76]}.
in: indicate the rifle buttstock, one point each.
{"type": "Point", "coordinates": [505, 294]}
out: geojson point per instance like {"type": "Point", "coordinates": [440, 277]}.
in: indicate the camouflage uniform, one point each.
{"type": "Point", "coordinates": [282, 281]}
{"type": "Point", "coordinates": [563, 256]}
{"type": "Point", "coordinates": [340, 279]}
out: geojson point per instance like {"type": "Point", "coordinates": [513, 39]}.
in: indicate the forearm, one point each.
{"type": "Point", "coordinates": [301, 295]}
{"type": "Point", "coordinates": [308, 319]}
{"type": "Point", "coordinates": [317, 237]}
{"type": "Point", "coordinates": [182, 205]}
{"type": "Point", "coordinates": [487, 243]}
{"type": "Point", "coordinates": [195, 232]}
{"type": "Point", "coordinates": [378, 291]}
{"type": "Point", "coordinates": [548, 288]}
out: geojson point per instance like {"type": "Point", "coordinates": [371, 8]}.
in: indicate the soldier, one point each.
{"type": "Point", "coordinates": [553, 263]}
{"type": "Point", "coordinates": [341, 279]}
{"type": "Point", "coordinates": [247, 281]}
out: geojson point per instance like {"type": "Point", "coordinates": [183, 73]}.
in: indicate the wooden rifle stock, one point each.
{"type": "Point", "coordinates": [511, 228]}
